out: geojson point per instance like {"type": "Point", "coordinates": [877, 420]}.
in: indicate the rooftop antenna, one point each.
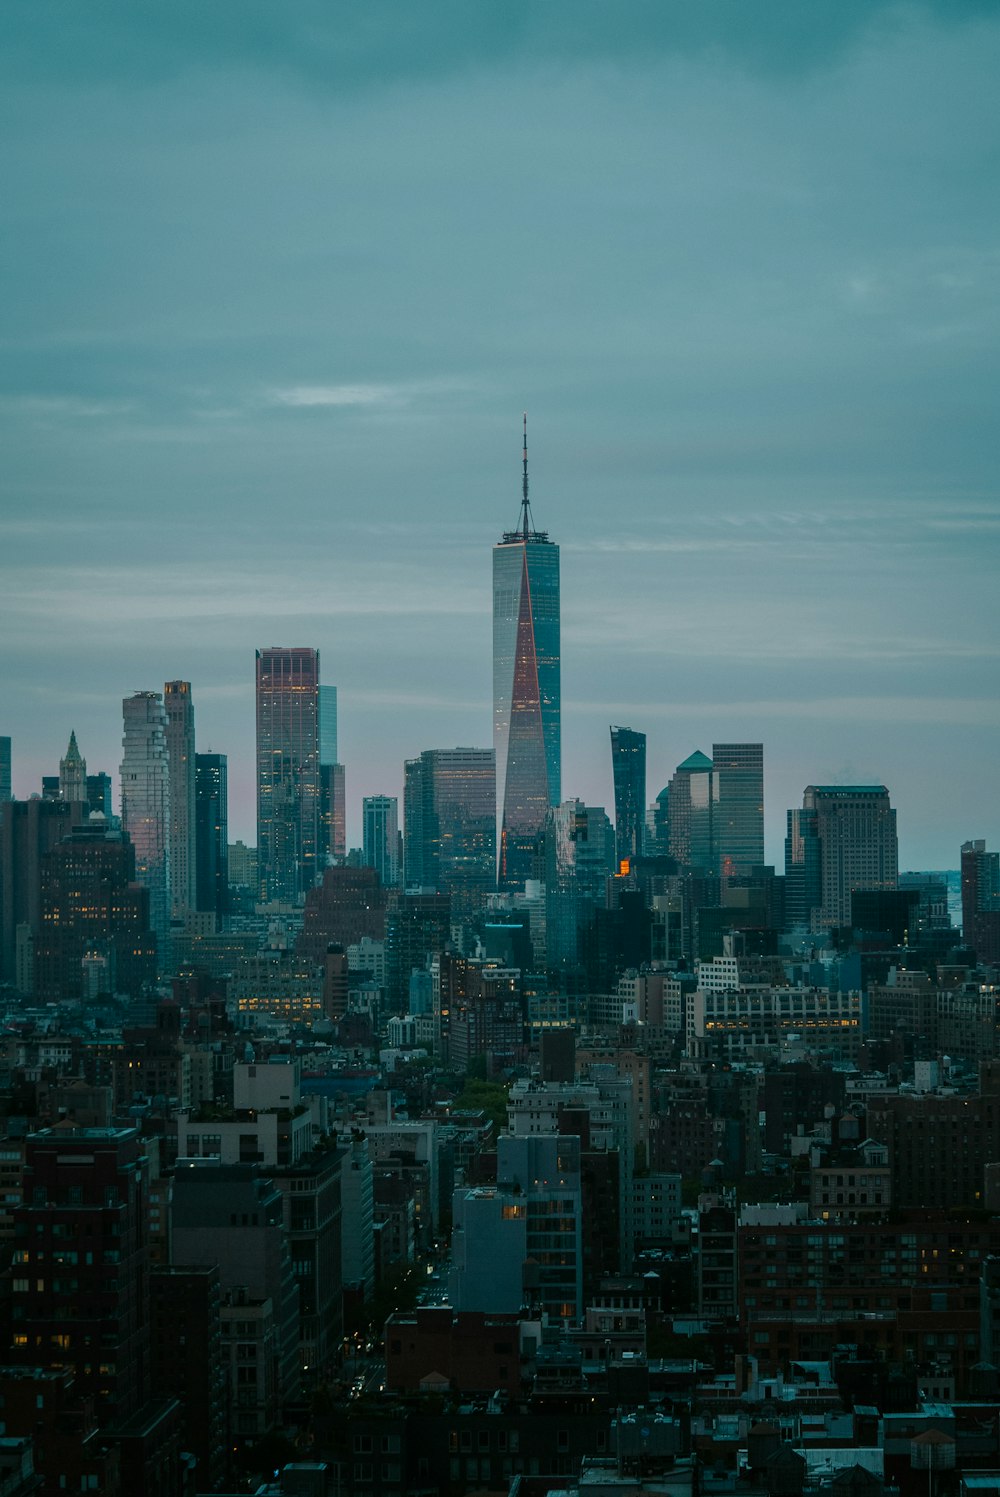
{"type": "Point", "coordinates": [524, 481]}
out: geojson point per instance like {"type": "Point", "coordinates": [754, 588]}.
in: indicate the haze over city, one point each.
{"type": "Point", "coordinates": [280, 287]}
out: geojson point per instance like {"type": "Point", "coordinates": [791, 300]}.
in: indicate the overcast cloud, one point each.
{"type": "Point", "coordinates": [279, 281]}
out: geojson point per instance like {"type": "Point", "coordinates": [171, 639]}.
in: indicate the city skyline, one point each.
{"type": "Point", "coordinates": [747, 296]}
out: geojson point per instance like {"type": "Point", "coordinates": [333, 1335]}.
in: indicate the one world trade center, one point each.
{"type": "Point", "coordinates": [526, 692]}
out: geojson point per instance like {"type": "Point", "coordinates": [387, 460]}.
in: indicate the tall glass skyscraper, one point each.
{"type": "Point", "coordinates": [211, 773]}
{"type": "Point", "coordinates": [739, 772]}
{"type": "Point", "coordinates": [179, 706]}
{"type": "Point", "coordinates": [145, 786]}
{"type": "Point", "coordinates": [380, 831]}
{"type": "Point", "coordinates": [526, 689]}
{"type": "Point", "coordinates": [628, 768]}
{"type": "Point", "coordinates": [288, 773]}
{"type": "Point", "coordinates": [450, 824]}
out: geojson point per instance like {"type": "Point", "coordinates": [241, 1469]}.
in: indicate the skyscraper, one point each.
{"type": "Point", "coordinates": [526, 686]}
{"type": "Point", "coordinates": [332, 784]}
{"type": "Point", "coordinates": [578, 848]}
{"type": "Point", "coordinates": [628, 768]}
{"type": "Point", "coordinates": [73, 773]}
{"type": "Point", "coordinates": [739, 773]}
{"type": "Point", "coordinates": [693, 795]}
{"type": "Point", "coordinates": [852, 838]}
{"type": "Point", "coordinates": [450, 810]}
{"type": "Point", "coordinates": [92, 908]}
{"type": "Point", "coordinates": [380, 834]}
{"type": "Point", "coordinates": [211, 802]}
{"type": "Point", "coordinates": [5, 775]}
{"type": "Point", "coordinates": [145, 785]}
{"type": "Point", "coordinates": [288, 776]}
{"type": "Point", "coordinates": [179, 708]}
{"type": "Point", "coordinates": [981, 901]}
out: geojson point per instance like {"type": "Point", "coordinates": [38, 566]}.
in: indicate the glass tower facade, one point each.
{"type": "Point", "coordinates": [212, 834]}
{"type": "Point", "coordinates": [450, 816]}
{"type": "Point", "coordinates": [145, 786]}
{"type": "Point", "coordinates": [179, 706]}
{"type": "Point", "coordinates": [288, 771]}
{"type": "Point", "coordinates": [739, 772]}
{"type": "Point", "coordinates": [526, 689]}
{"type": "Point", "coordinates": [628, 767]}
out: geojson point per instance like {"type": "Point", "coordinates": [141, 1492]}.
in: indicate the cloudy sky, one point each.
{"type": "Point", "coordinates": [279, 280]}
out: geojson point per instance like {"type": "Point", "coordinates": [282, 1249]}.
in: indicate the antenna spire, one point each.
{"type": "Point", "coordinates": [524, 480]}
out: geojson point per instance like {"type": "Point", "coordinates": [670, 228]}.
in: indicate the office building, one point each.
{"type": "Point", "coordinates": [145, 786]}
{"type": "Point", "coordinates": [179, 708]}
{"type": "Point", "coordinates": [6, 791]}
{"type": "Point", "coordinates": [693, 795]}
{"type": "Point", "coordinates": [628, 767]}
{"type": "Point", "coordinates": [232, 1216]}
{"type": "Point", "coordinates": [28, 829]}
{"type": "Point", "coordinates": [328, 725]}
{"type": "Point", "coordinates": [332, 814]}
{"type": "Point", "coordinates": [211, 814]}
{"type": "Point", "coordinates": [380, 836]}
{"type": "Point", "coordinates": [450, 832]}
{"type": "Point", "coordinates": [99, 794]}
{"type": "Point", "coordinates": [846, 834]}
{"type": "Point", "coordinates": [739, 775]}
{"type": "Point", "coordinates": [73, 773]}
{"type": "Point", "coordinates": [578, 853]}
{"type": "Point", "coordinates": [69, 1308]}
{"type": "Point", "coordinates": [288, 773]}
{"type": "Point", "coordinates": [981, 901]}
{"type": "Point", "coordinates": [94, 917]}
{"type": "Point", "coordinates": [803, 876]}
{"type": "Point", "coordinates": [526, 687]}
{"type": "Point", "coordinates": [332, 784]}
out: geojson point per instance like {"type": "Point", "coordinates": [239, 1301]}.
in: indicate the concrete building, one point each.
{"type": "Point", "coordinates": [233, 1216]}
{"type": "Point", "coordinates": [853, 829]}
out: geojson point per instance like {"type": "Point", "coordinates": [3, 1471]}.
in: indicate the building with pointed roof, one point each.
{"type": "Point", "coordinates": [73, 773]}
{"type": "Point", "coordinates": [527, 696]}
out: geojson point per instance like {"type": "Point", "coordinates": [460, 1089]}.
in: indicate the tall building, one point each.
{"type": "Point", "coordinates": [328, 725]}
{"type": "Point", "coordinates": [526, 687]}
{"type": "Point", "coordinates": [28, 830]}
{"type": "Point", "coordinates": [145, 784]}
{"type": "Point", "coordinates": [180, 748]}
{"type": "Point", "coordinates": [693, 795]}
{"type": "Point", "coordinates": [5, 770]}
{"type": "Point", "coordinates": [579, 852]}
{"type": "Point", "coordinates": [981, 901]}
{"type": "Point", "coordinates": [628, 767]}
{"type": "Point", "coordinates": [450, 809]}
{"type": "Point", "coordinates": [849, 833]}
{"type": "Point", "coordinates": [332, 786]}
{"type": "Point", "coordinates": [380, 836]}
{"type": "Point", "coordinates": [99, 793]}
{"type": "Point", "coordinates": [211, 802]}
{"type": "Point", "coordinates": [332, 814]}
{"type": "Point", "coordinates": [94, 917]}
{"type": "Point", "coordinates": [739, 773]}
{"type": "Point", "coordinates": [73, 773]}
{"type": "Point", "coordinates": [803, 875]}
{"type": "Point", "coordinates": [288, 774]}
{"type": "Point", "coordinates": [85, 1310]}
